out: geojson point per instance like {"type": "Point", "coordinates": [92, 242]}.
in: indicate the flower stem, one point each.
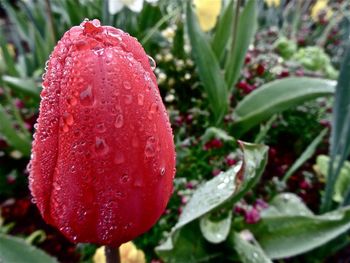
{"type": "Point", "coordinates": [112, 254]}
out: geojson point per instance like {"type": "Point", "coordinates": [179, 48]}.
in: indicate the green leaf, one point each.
{"type": "Point", "coordinates": [275, 97]}
{"type": "Point", "coordinates": [186, 246]}
{"type": "Point", "coordinates": [286, 204]}
{"type": "Point", "coordinates": [307, 154]}
{"type": "Point", "coordinates": [249, 252]}
{"type": "Point", "coordinates": [223, 31]}
{"type": "Point", "coordinates": [8, 59]}
{"type": "Point", "coordinates": [224, 189]}
{"type": "Point", "coordinates": [291, 229]}
{"type": "Point", "coordinates": [16, 140]}
{"type": "Point", "coordinates": [217, 133]}
{"type": "Point", "coordinates": [343, 181]}
{"type": "Point", "coordinates": [228, 186]}
{"type": "Point", "coordinates": [208, 68]}
{"type": "Point", "coordinates": [340, 132]}
{"type": "Point", "coordinates": [16, 250]}
{"type": "Point", "coordinates": [246, 28]}
{"type": "Point", "coordinates": [215, 231]}
{"type": "Point", "coordinates": [27, 86]}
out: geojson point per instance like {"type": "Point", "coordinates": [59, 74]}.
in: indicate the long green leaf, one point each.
{"type": "Point", "coordinates": [21, 143]}
{"type": "Point", "coordinates": [208, 68]}
{"type": "Point", "coordinates": [223, 31]}
{"type": "Point", "coordinates": [9, 60]}
{"type": "Point", "coordinates": [27, 86]}
{"type": "Point", "coordinates": [307, 154]}
{"type": "Point", "coordinates": [246, 28]}
{"type": "Point", "coordinates": [249, 252]}
{"type": "Point", "coordinates": [15, 250]}
{"type": "Point", "coordinates": [340, 134]}
{"type": "Point", "coordinates": [275, 97]}
{"type": "Point", "coordinates": [288, 228]}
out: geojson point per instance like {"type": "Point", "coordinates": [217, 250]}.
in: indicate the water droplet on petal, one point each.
{"type": "Point", "coordinates": [125, 178]}
{"type": "Point", "coordinates": [140, 99]}
{"type": "Point", "coordinates": [152, 63]}
{"type": "Point", "coordinates": [152, 110]}
{"type": "Point", "coordinates": [127, 85]}
{"type": "Point", "coordinates": [101, 127]}
{"type": "Point", "coordinates": [68, 118]}
{"type": "Point", "coordinates": [64, 127]}
{"type": "Point", "coordinates": [101, 146]}
{"type": "Point", "coordinates": [71, 100]}
{"type": "Point", "coordinates": [119, 121]}
{"type": "Point", "coordinates": [162, 171]}
{"type": "Point", "coordinates": [86, 96]}
{"type": "Point", "coordinates": [150, 147]}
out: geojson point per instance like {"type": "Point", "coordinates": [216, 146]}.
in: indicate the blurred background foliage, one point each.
{"type": "Point", "coordinates": [271, 72]}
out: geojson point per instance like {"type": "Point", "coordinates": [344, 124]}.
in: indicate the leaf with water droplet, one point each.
{"type": "Point", "coordinates": [223, 190]}
{"type": "Point", "coordinates": [216, 230]}
{"type": "Point", "coordinates": [288, 228]}
{"type": "Point", "coordinates": [249, 251]}
{"type": "Point", "coordinates": [232, 184]}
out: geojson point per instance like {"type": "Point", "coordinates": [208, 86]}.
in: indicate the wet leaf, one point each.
{"type": "Point", "coordinates": [288, 228]}
{"type": "Point", "coordinates": [14, 249]}
{"type": "Point", "coordinates": [249, 252]}
{"type": "Point", "coordinates": [215, 231]}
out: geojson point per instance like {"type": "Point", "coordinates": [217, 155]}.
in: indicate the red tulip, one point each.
{"type": "Point", "coordinates": [103, 157]}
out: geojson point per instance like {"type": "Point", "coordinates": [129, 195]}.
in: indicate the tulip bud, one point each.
{"type": "Point", "coordinates": [103, 157]}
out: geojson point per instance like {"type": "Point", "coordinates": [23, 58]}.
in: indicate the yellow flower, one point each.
{"type": "Point", "coordinates": [274, 3]}
{"type": "Point", "coordinates": [128, 254]}
{"type": "Point", "coordinates": [319, 6]}
{"type": "Point", "coordinates": [207, 12]}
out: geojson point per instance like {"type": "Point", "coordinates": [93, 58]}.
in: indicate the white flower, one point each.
{"type": "Point", "coordinates": [114, 6]}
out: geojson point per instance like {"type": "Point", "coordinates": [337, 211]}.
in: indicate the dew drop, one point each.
{"type": "Point", "coordinates": [125, 178]}
{"type": "Point", "coordinates": [119, 121]}
{"type": "Point", "coordinates": [140, 99]}
{"type": "Point", "coordinates": [101, 146]}
{"type": "Point", "coordinates": [99, 52]}
{"type": "Point", "coordinates": [64, 128]}
{"type": "Point", "coordinates": [154, 108]}
{"type": "Point", "coordinates": [150, 147]}
{"type": "Point", "coordinates": [101, 127]}
{"type": "Point", "coordinates": [126, 85]}
{"type": "Point", "coordinates": [71, 100]}
{"type": "Point", "coordinates": [86, 96]}
{"type": "Point", "coordinates": [152, 63]}
{"type": "Point", "coordinates": [73, 169]}
{"type": "Point", "coordinates": [120, 195]}
{"type": "Point", "coordinates": [162, 171]}
{"type": "Point", "coordinates": [68, 119]}
{"type": "Point", "coordinates": [119, 158]}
